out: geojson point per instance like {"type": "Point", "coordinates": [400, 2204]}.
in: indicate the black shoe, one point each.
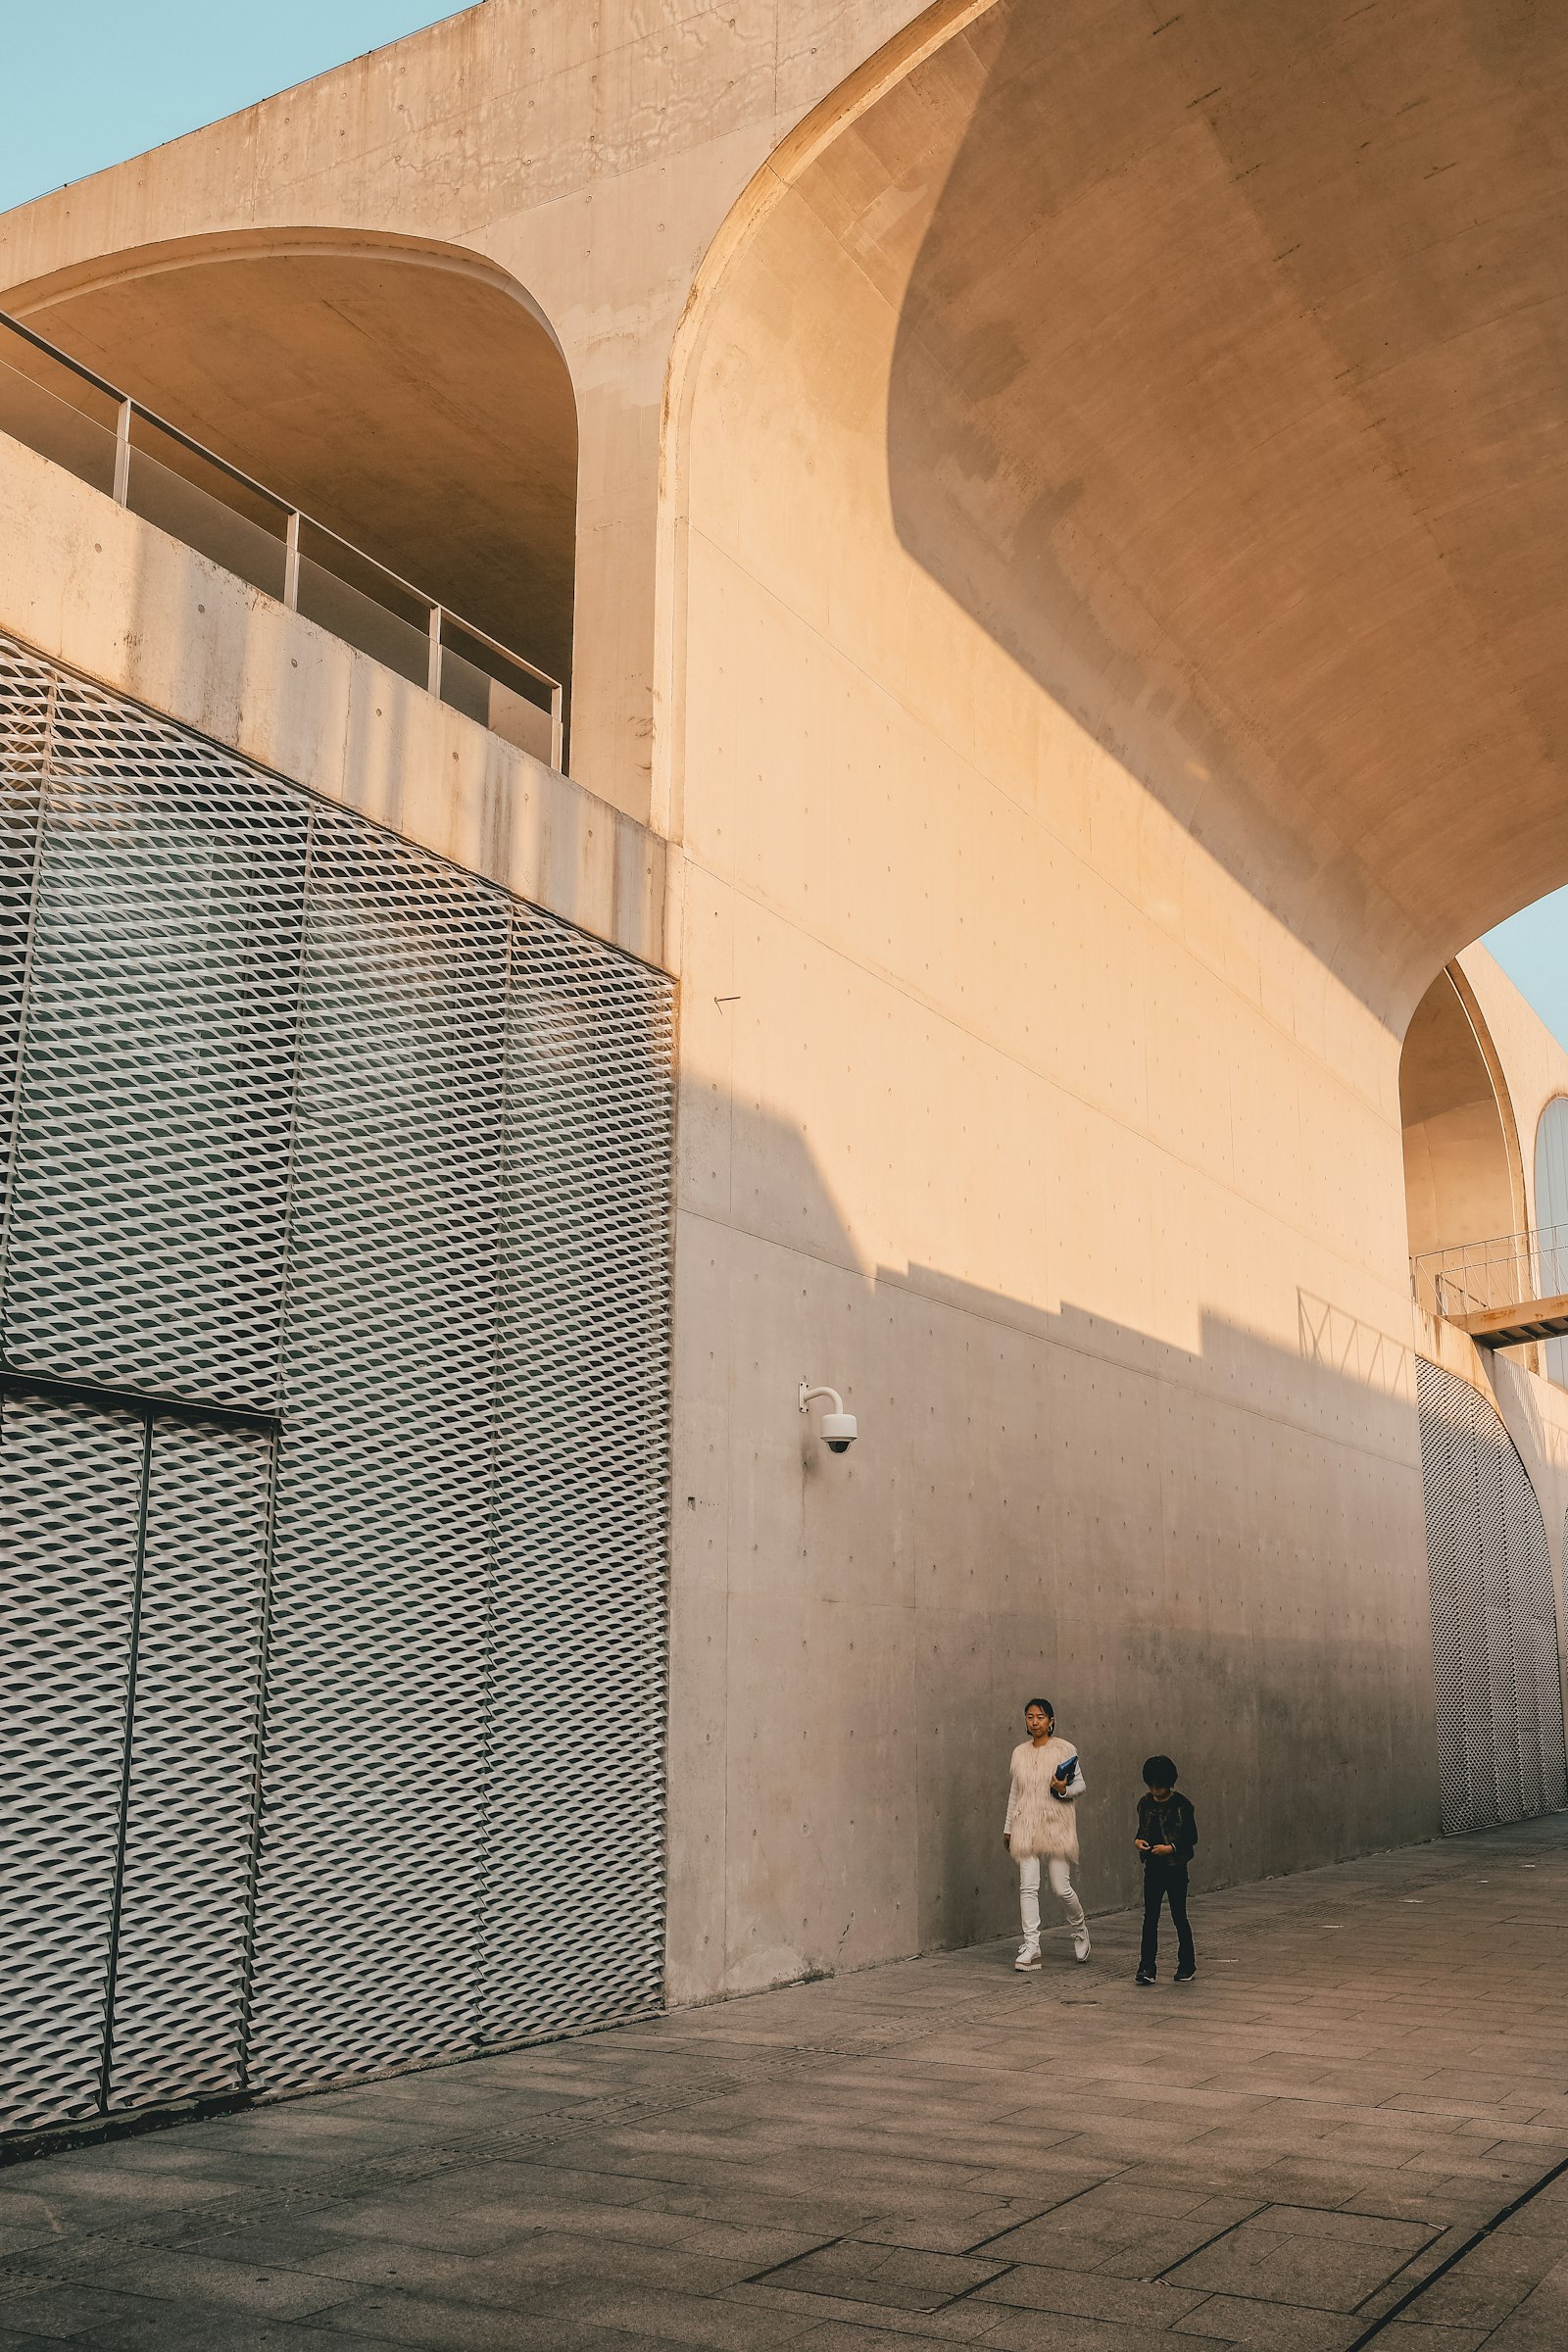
{"type": "Point", "coordinates": [1185, 1976]}
{"type": "Point", "coordinates": [1144, 1975]}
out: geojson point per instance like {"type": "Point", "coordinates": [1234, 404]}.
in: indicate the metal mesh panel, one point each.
{"type": "Point", "coordinates": [25, 688]}
{"type": "Point", "coordinates": [1453, 1556]}
{"type": "Point", "coordinates": [146, 1244]}
{"type": "Point", "coordinates": [1501, 1750]}
{"type": "Point", "coordinates": [306, 1715]}
{"type": "Point", "coordinates": [580, 1499]}
{"type": "Point", "coordinates": [177, 2022]}
{"type": "Point", "coordinates": [71, 1481]}
{"type": "Point", "coordinates": [367, 1938]}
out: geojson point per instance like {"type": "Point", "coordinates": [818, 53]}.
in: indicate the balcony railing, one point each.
{"type": "Point", "coordinates": [64, 412]}
{"type": "Point", "coordinates": [1501, 1291]}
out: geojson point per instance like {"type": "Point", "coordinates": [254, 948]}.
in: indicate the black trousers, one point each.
{"type": "Point", "coordinates": [1165, 1882]}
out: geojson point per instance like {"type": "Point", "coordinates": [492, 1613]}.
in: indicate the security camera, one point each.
{"type": "Point", "coordinates": [839, 1428]}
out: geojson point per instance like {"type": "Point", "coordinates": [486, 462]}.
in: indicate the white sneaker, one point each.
{"type": "Point", "coordinates": [1028, 1956]}
{"type": "Point", "coordinates": [1080, 1943]}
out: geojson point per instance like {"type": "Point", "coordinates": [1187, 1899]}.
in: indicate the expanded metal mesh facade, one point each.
{"type": "Point", "coordinates": [334, 1338]}
{"type": "Point", "coordinates": [1501, 1750]}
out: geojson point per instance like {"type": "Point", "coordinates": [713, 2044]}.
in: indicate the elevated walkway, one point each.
{"type": "Point", "coordinates": [1503, 1291]}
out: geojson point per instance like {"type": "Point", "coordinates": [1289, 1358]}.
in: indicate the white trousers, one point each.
{"type": "Point", "coordinates": [1061, 1887]}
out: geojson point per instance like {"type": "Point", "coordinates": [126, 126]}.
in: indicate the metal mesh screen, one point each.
{"type": "Point", "coordinates": [69, 1518]}
{"type": "Point", "coordinates": [1500, 1746]}
{"type": "Point", "coordinates": [367, 1918]}
{"type": "Point", "coordinates": [580, 1496]}
{"type": "Point", "coordinates": [190, 1798]}
{"type": "Point", "coordinates": [338, 1237]}
{"type": "Point", "coordinates": [146, 1250]}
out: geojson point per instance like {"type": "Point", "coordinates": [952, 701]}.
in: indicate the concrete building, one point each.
{"type": "Point", "coordinates": [1048, 531]}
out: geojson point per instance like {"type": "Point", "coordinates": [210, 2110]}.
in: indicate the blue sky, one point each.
{"type": "Point", "coordinates": [88, 82]}
{"type": "Point", "coordinates": [1533, 949]}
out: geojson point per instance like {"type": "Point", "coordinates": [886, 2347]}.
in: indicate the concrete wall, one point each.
{"type": "Point", "coordinates": [1463, 1170]}
{"type": "Point", "coordinates": [1008, 1109]}
{"type": "Point", "coordinates": [94, 586]}
{"type": "Point", "coordinates": [589, 154]}
{"type": "Point", "coordinates": [1046, 558]}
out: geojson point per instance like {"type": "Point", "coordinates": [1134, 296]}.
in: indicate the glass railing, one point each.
{"type": "Point", "coordinates": [68, 414]}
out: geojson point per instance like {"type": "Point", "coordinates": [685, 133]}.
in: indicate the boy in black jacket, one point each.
{"type": "Point", "coordinates": [1167, 1834]}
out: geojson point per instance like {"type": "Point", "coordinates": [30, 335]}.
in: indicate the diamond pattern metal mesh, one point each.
{"type": "Point", "coordinates": [146, 1250]}
{"type": "Point", "coordinates": [367, 1918]}
{"type": "Point", "coordinates": [580, 1496]}
{"type": "Point", "coordinates": [304, 1709]}
{"type": "Point", "coordinates": [190, 1812]}
{"type": "Point", "coordinates": [72, 1483]}
{"type": "Point", "coordinates": [1500, 1745]}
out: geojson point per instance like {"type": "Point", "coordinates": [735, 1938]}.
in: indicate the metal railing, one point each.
{"type": "Point", "coordinates": [66, 413]}
{"type": "Point", "coordinates": [1514, 1271]}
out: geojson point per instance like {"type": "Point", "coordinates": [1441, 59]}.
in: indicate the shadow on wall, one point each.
{"type": "Point", "coordinates": [1216, 1551]}
{"type": "Point", "coordinates": [1179, 418]}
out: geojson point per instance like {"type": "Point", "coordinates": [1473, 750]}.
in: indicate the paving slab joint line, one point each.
{"type": "Point", "coordinates": [850, 2238]}
{"type": "Point", "coordinates": [1022, 2223]}
{"type": "Point", "coordinates": [1477, 2238]}
{"type": "Point", "coordinates": [541, 2134]}
{"type": "Point", "coordinates": [1193, 2252]}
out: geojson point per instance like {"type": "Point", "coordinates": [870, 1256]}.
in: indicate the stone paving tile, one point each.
{"type": "Point", "coordinates": [901, 2278]}
{"type": "Point", "coordinates": [1267, 2326]}
{"type": "Point", "coordinates": [1413, 2335]}
{"type": "Point", "coordinates": [1268, 2259]}
{"type": "Point", "coordinates": [451, 2324]}
{"type": "Point", "coordinates": [1287, 2129]}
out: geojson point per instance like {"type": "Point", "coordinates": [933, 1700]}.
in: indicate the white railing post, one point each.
{"type": "Point", "coordinates": [291, 563]}
{"type": "Point", "coordinates": [557, 731]}
{"type": "Point", "coordinates": [123, 454]}
{"type": "Point", "coordinates": [434, 674]}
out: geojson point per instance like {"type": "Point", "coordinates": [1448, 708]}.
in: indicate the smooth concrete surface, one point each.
{"type": "Point", "coordinates": [585, 157]}
{"type": "Point", "coordinates": [1463, 1172]}
{"type": "Point", "coordinates": [89, 584]}
{"type": "Point", "coordinates": [419, 409]}
{"type": "Point", "coordinates": [1053, 558]}
{"type": "Point", "coordinates": [1012, 1108]}
{"type": "Point", "coordinates": [1315, 2137]}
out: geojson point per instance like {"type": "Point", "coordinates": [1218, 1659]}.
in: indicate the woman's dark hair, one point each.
{"type": "Point", "coordinates": [1160, 1773]}
{"type": "Point", "coordinates": [1044, 1704]}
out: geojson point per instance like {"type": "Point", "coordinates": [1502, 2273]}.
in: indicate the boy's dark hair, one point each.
{"type": "Point", "coordinates": [1044, 1704]}
{"type": "Point", "coordinates": [1160, 1773]}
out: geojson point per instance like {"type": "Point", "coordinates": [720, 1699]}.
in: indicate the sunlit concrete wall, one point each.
{"type": "Point", "coordinates": [1045, 955]}
{"type": "Point", "coordinates": [89, 584]}
{"type": "Point", "coordinates": [591, 153]}
{"type": "Point", "coordinates": [1010, 1110]}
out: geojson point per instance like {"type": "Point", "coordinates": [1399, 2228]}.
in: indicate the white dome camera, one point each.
{"type": "Point", "coordinates": [839, 1428]}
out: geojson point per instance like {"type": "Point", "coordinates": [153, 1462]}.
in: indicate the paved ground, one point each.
{"type": "Point", "coordinates": [1369, 2071]}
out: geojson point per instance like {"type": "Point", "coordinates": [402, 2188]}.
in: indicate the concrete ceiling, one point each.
{"type": "Point", "coordinates": [416, 406]}
{"type": "Point", "coordinates": [1231, 395]}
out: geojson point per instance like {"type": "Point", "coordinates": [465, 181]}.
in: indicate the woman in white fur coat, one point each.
{"type": "Point", "coordinates": [1042, 1825]}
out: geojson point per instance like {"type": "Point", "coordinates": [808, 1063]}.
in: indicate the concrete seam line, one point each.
{"type": "Point", "coordinates": [1476, 2237]}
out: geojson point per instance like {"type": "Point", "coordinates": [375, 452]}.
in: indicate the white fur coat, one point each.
{"type": "Point", "coordinates": [1037, 1822]}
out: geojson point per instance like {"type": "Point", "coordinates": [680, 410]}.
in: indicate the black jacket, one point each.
{"type": "Point", "coordinates": [1173, 1823]}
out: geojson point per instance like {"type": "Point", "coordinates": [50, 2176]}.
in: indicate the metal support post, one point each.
{"type": "Point", "coordinates": [123, 454]}
{"type": "Point", "coordinates": [435, 679]}
{"type": "Point", "coordinates": [291, 563]}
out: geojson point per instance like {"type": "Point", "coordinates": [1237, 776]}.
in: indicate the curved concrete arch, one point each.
{"type": "Point", "coordinates": [410, 394]}
{"type": "Point", "coordinates": [1193, 414]}
{"type": "Point", "coordinates": [1463, 1169]}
